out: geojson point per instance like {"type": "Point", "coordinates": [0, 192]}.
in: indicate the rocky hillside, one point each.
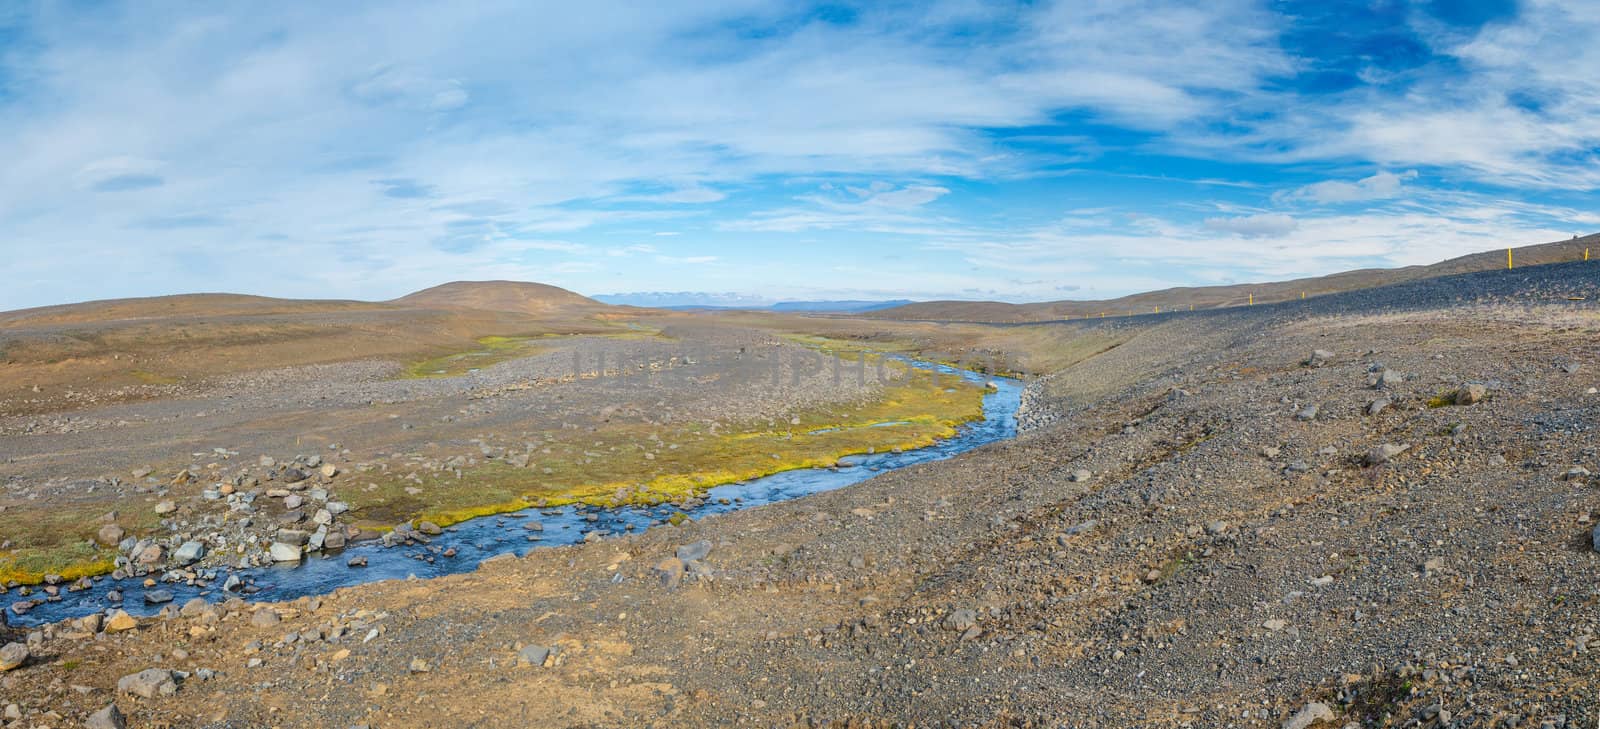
{"type": "Point", "coordinates": [512, 296]}
{"type": "Point", "coordinates": [1210, 297]}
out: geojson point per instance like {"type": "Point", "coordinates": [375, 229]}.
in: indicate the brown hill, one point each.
{"type": "Point", "coordinates": [181, 305]}
{"type": "Point", "coordinates": [520, 297]}
{"type": "Point", "coordinates": [1211, 297]}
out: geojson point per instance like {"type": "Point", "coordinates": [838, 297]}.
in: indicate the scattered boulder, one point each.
{"type": "Point", "coordinates": [1576, 473]}
{"type": "Point", "coordinates": [329, 470]}
{"type": "Point", "coordinates": [1385, 379]}
{"type": "Point", "coordinates": [158, 597]}
{"type": "Point", "coordinates": [108, 718]}
{"type": "Point", "coordinates": [419, 666]}
{"type": "Point", "coordinates": [13, 655]}
{"type": "Point", "coordinates": [356, 561]}
{"type": "Point", "coordinates": [1377, 406]}
{"type": "Point", "coordinates": [1594, 538]}
{"type": "Point", "coordinates": [166, 507]}
{"type": "Point", "coordinates": [265, 618]}
{"type": "Point", "coordinates": [1080, 475]}
{"type": "Point", "coordinates": [429, 528]}
{"type": "Point", "coordinates": [1308, 413]}
{"type": "Point", "coordinates": [1319, 358]}
{"type": "Point", "coordinates": [151, 554]}
{"type": "Point", "coordinates": [149, 683]}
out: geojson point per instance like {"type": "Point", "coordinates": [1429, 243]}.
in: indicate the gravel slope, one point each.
{"type": "Point", "coordinates": [1231, 559]}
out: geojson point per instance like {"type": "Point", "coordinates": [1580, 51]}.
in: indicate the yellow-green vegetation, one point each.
{"type": "Point", "coordinates": [59, 540]}
{"type": "Point", "coordinates": [499, 348]}
{"type": "Point", "coordinates": [147, 377]}
{"type": "Point", "coordinates": [491, 350]}
{"type": "Point", "coordinates": [639, 463]}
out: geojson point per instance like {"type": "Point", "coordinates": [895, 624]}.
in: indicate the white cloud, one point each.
{"type": "Point", "coordinates": [1381, 186]}
{"type": "Point", "coordinates": [1262, 225]}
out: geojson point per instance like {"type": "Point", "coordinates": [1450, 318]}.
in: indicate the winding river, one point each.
{"type": "Point", "coordinates": [478, 539]}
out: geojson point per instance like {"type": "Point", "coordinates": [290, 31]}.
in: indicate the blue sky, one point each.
{"type": "Point", "coordinates": [777, 150]}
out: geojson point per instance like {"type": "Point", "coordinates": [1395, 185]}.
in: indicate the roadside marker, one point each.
{"type": "Point", "coordinates": [1508, 259]}
{"type": "Point", "coordinates": [1302, 294]}
{"type": "Point", "coordinates": [1252, 299]}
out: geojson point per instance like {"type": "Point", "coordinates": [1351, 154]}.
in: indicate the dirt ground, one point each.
{"type": "Point", "coordinates": [1201, 527]}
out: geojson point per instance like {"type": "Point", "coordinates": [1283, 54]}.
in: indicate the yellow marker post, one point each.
{"type": "Point", "coordinates": [1586, 254]}
{"type": "Point", "coordinates": [1158, 308]}
{"type": "Point", "coordinates": [1508, 259]}
{"type": "Point", "coordinates": [1302, 294]}
{"type": "Point", "coordinates": [1252, 299]}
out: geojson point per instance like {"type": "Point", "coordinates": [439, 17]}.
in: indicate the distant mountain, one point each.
{"type": "Point", "coordinates": [843, 307]}
{"type": "Point", "coordinates": [513, 296]}
{"type": "Point", "coordinates": [691, 300]}
{"type": "Point", "coordinates": [1210, 297]}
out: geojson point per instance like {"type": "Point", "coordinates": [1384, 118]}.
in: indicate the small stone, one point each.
{"type": "Point", "coordinates": [1576, 473]}
{"type": "Point", "coordinates": [670, 570]}
{"type": "Point", "coordinates": [1383, 453]}
{"type": "Point", "coordinates": [1386, 379]}
{"type": "Point", "coordinates": [1275, 625]}
{"type": "Point", "coordinates": [120, 621]}
{"type": "Point", "coordinates": [1308, 413]}
{"type": "Point", "coordinates": [1216, 527]}
{"type": "Point", "coordinates": [189, 553]}
{"type": "Point", "coordinates": [285, 552]}
{"type": "Point", "coordinates": [419, 666]}
{"type": "Point", "coordinates": [293, 501]}
{"type": "Point", "coordinates": [1319, 358]}
{"type": "Point", "coordinates": [534, 655]}
{"type": "Point", "coordinates": [166, 507]}
{"type": "Point", "coordinates": [1311, 714]}
{"type": "Point", "coordinates": [1378, 406]}
{"type": "Point", "coordinates": [1470, 394]}
{"type": "Point", "coordinates": [158, 597]}
{"type": "Point", "coordinates": [694, 552]}
{"type": "Point", "coordinates": [1080, 475]}
{"type": "Point", "coordinates": [108, 718]}
{"type": "Point", "coordinates": [429, 528]}
{"type": "Point", "coordinates": [1594, 538]}
{"type": "Point", "coordinates": [329, 470]}
{"type": "Point", "coordinates": [265, 618]}
{"type": "Point", "coordinates": [109, 535]}
{"type": "Point", "coordinates": [960, 620]}
{"type": "Point", "coordinates": [356, 561]}
{"type": "Point", "coordinates": [149, 683]}
{"type": "Point", "coordinates": [13, 655]}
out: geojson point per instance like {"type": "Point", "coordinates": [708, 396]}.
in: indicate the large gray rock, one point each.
{"type": "Point", "coordinates": [108, 718]}
{"type": "Point", "coordinates": [149, 683]}
{"type": "Point", "coordinates": [282, 552]}
{"type": "Point", "coordinates": [297, 537]}
{"type": "Point", "coordinates": [695, 551]}
{"type": "Point", "coordinates": [13, 655]}
{"type": "Point", "coordinates": [158, 597]}
{"type": "Point", "coordinates": [265, 618]}
{"type": "Point", "coordinates": [189, 553]}
{"type": "Point", "coordinates": [1308, 413]}
{"type": "Point", "coordinates": [1594, 538]}
{"type": "Point", "coordinates": [1319, 358]}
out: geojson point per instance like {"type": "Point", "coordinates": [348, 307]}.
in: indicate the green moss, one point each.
{"type": "Point", "coordinates": [623, 464]}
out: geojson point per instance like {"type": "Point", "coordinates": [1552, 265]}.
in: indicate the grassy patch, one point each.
{"type": "Point", "coordinates": [146, 377]}
{"type": "Point", "coordinates": [637, 463]}
{"type": "Point", "coordinates": [491, 350]}
{"type": "Point", "coordinates": [59, 540]}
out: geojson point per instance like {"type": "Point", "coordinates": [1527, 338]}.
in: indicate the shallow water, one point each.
{"type": "Point", "coordinates": [484, 537]}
